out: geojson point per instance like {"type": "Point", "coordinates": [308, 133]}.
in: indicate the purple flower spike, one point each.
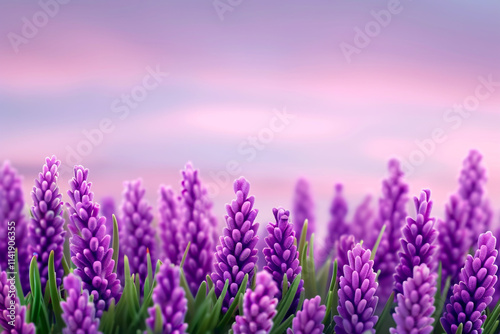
{"type": "Point", "coordinates": [169, 207]}
{"type": "Point", "coordinates": [17, 325]}
{"type": "Point", "coordinates": [236, 255]}
{"type": "Point", "coordinates": [196, 228]}
{"type": "Point", "coordinates": [416, 303]}
{"type": "Point", "coordinates": [89, 244]}
{"type": "Point", "coordinates": [418, 241]}
{"type": "Point", "coordinates": [46, 230]}
{"type": "Point", "coordinates": [170, 297]}
{"type": "Point", "coordinates": [108, 209]}
{"type": "Point", "coordinates": [136, 233]}
{"type": "Point", "coordinates": [357, 300]}
{"type": "Point", "coordinates": [453, 238]}
{"type": "Point", "coordinates": [337, 225]}
{"type": "Point", "coordinates": [496, 296]}
{"type": "Point", "coordinates": [11, 210]}
{"type": "Point", "coordinates": [472, 295]}
{"type": "Point", "coordinates": [362, 220]}
{"type": "Point", "coordinates": [472, 188]}
{"type": "Point", "coordinates": [309, 320]}
{"type": "Point", "coordinates": [303, 208]}
{"type": "Point", "coordinates": [259, 307]}
{"type": "Point", "coordinates": [78, 313]}
{"type": "Point", "coordinates": [345, 244]}
{"type": "Point", "coordinates": [281, 254]}
{"type": "Point", "coordinates": [392, 214]}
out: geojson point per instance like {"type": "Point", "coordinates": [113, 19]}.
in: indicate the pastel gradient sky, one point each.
{"type": "Point", "coordinates": [228, 78]}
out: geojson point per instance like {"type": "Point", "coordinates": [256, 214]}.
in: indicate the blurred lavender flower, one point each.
{"type": "Point", "coordinates": [344, 245]}
{"type": "Point", "coordinates": [357, 300]}
{"type": "Point", "coordinates": [418, 241]}
{"type": "Point", "coordinates": [496, 296]}
{"type": "Point", "coordinates": [136, 231]}
{"type": "Point", "coordinates": [46, 229]}
{"type": "Point", "coordinates": [78, 313]}
{"type": "Point", "coordinates": [259, 307]}
{"type": "Point", "coordinates": [169, 296]}
{"type": "Point", "coordinates": [17, 325]}
{"type": "Point", "coordinates": [236, 255]}
{"type": "Point", "coordinates": [108, 209]}
{"type": "Point", "coordinates": [11, 210]}
{"type": "Point", "coordinates": [197, 228]}
{"type": "Point", "coordinates": [303, 208]}
{"type": "Point", "coordinates": [362, 220]}
{"type": "Point", "coordinates": [392, 213]}
{"type": "Point", "coordinates": [169, 207]}
{"type": "Point", "coordinates": [472, 183]}
{"type": "Point", "coordinates": [472, 295]}
{"type": "Point", "coordinates": [281, 254]}
{"type": "Point", "coordinates": [453, 238]}
{"type": "Point", "coordinates": [89, 243]}
{"type": "Point", "coordinates": [310, 319]}
{"type": "Point", "coordinates": [337, 225]}
{"type": "Point", "coordinates": [416, 303]}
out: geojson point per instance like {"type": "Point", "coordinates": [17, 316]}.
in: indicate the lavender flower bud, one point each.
{"type": "Point", "coordinates": [78, 313]}
{"type": "Point", "coordinates": [309, 320]}
{"type": "Point", "coordinates": [259, 307]}
{"type": "Point", "coordinates": [472, 295]}
{"type": "Point", "coordinates": [303, 208]}
{"type": "Point", "coordinates": [357, 300]}
{"type": "Point", "coordinates": [236, 255]}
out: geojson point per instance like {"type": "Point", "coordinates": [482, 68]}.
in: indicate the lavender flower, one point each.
{"type": "Point", "coordinates": [303, 208]}
{"type": "Point", "coordinates": [259, 307]}
{"type": "Point", "coordinates": [196, 228]}
{"type": "Point", "coordinates": [309, 320]}
{"type": "Point", "coordinates": [416, 303]}
{"type": "Point", "coordinates": [78, 312]}
{"type": "Point", "coordinates": [281, 254]}
{"type": "Point", "coordinates": [337, 225]}
{"type": "Point", "coordinates": [136, 233]}
{"type": "Point", "coordinates": [89, 244]}
{"type": "Point", "coordinates": [357, 300]}
{"type": "Point", "coordinates": [108, 209]}
{"type": "Point", "coordinates": [496, 296]}
{"type": "Point", "coordinates": [392, 213]}
{"type": "Point", "coordinates": [362, 220]}
{"type": "Point", "coordinates": [344, 245]}
{"type": "Point", "coordinates": [17, 325]}
{"type": "Point", "coordinates": [474, 292]}
{"type": "Point", "coordinates": [11, 210]}
{"type": "Point", "coordinates": [46, 230]}
{"type": "Point", "coordinates": [453, 238]}
{"type": "Point", "coordinates": [169, 296]}
{"type": "Point", "coordinates": [472, 183]}
{"type": "Point", "coordinates": [418, 241]}
{"type": "Point", "coordinates": [236, 255]}
{"type": "Point", "coordinates": [169, 207]}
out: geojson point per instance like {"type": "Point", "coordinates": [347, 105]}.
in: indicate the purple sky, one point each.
{"type": "Point", "coordinates": [227, 80]}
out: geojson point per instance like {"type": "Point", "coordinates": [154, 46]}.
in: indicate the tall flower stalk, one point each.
{"type": "Point", "coordinates": [418, 241]}
{"type": "Point", "coordinates": [472, 295]}
{"type": "Point", "coordinates": [89, 243]}
{"type": "Point", "coordinates": [236, 254]}
{"type": "Point", "coordinates": [392, 214]}
{"type": "Point", "coordinates": [137, 235]}
{"type": "Point", "coordinates": [11, 211]}
{"type": "Point", "coordinates": [170, 236]}
{"type": "Point", "coordinates": [46, 230]}
{"type": "Point", "coordinates": [303, 208]}
{"type": "Point", "coordinates": [197, 228]}
{"type": "Point", "coordinates": [281, 253]}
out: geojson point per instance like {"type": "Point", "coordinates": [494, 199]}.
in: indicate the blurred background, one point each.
{"type": "Point", "coordinates": [329, 90]}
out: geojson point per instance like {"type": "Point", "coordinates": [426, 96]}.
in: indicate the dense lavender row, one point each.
{"type": "Point", "coordinates": [184, 274]}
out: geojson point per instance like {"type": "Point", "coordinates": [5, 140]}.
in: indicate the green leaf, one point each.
{"type": "Point", "coordinates": [385, 321]}
{"type": "Point", "coordinates": [116, 243]}
{"type": "Point", "coordinates": [150, 270]}
{"type": "Point", "coordinates": [158, 321]}
{"type": "Point", "coordinates": [303, 238]}
{"type": "Point", "coordinates": [185, 255]}
{"type": "Point", "coordinates": [38, 313]}
{"type": "Point", "coordinates": [55, 295]}
{"type": "Point", "coordinates": [19, 287]}
{"type": "Point", "coordinates": [285, 303]}
{"type": "Point", "coordinates": [439, 300]}
{"type": "Point", "coordinates": [189, 296]}
{"type": "Point", "coordinates": [284, 287]}
{"type": "Point", "coordinates": [492, 319]}
{"type": "Point", "coordinates": [332, 297]}
{"type": "Point", "coordinates": [377, 243]}
{"type": "Point", "coordinates": [460, 329]}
